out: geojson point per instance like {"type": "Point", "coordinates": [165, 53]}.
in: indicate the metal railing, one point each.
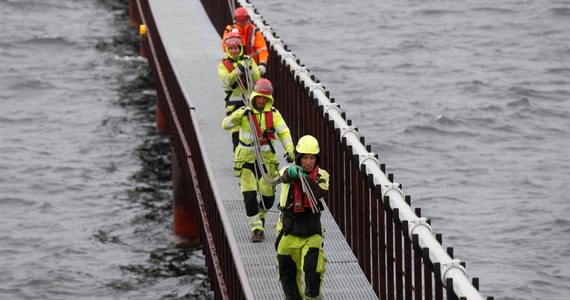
{"type": "Point", "coordinates": [394, 245]}
{"type": "Point", "coordinates": [225, 269]}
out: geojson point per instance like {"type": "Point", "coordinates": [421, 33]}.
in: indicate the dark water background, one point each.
{"type": "Point", "coordinates": [85, 190]}
{"type": "Point", "coordinates": [467, 102]}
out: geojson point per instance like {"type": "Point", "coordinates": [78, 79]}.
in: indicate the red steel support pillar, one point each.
{"type": "Point", "coordinates": [185, 225]}
{"type": "Point", "coordinates": [160, 120]}
{"type": "Point", "coordinates": [134, 19]}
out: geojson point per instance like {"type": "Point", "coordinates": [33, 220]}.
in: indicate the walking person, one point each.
{"type": "Point", "coordinates": [299, 242]}
{"type": "Point", "coordinates": [260, 124]}
{"type": "Point", "coordinates": [236, 68]}
{"type": "Point", "coordinates": [252, 39]}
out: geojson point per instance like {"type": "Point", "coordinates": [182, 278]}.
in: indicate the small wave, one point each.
{"type": "Point", "coordinates": [47, 40]}
{"type": "Point", "coordinates": [558, 71]}
{"type": "Point", "coordinates": [35, 5]}
{"type": "Point", "coordinates": [32, 84]}
{"type": "Point", "coordinates": [521, 103]}
{"type": "Point", "coordinates": [437, 12]}
{"type": "Point", "coordinates": [130, 58]}
{"type": "Point", "coordinates": [498, 10]}
{"type": "Point", "coordinates": [491, 108]}
{"type": "Point", "coordinates": [561, 223]}
{"type": "Point", "coordinates": [559, 12]}
{"type": "Point", "coordinates": [528, 182]}
{"type": "Point", "coordinates": [448, 122]}
{"type": "Point", "coordinates": [433, 130]}
{"type": "Point", "coordinates": [106, 238]}
{"type": "Point", "coordinates": [527, 92]}
{"type": "Point", "coordinates": [473, 86]}
{"type": "Point", "coordinates": [14, 120]}
{"type": "Point", "coordinates": [410, 45]}
{"type": "Point", "coordinates": [12, 202]}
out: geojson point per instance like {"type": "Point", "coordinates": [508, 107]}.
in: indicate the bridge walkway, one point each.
{"type": "Point", "coordinates": [193, 47]}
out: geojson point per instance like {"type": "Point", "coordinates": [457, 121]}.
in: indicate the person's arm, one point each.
{"type": "Point", "coordinates": [226, 77]}
{"type": "Point", "coordinates": [235, 118]}
{"type": "Point", "coordinates": [255, 75]}
{"type": "Point", "coordinates": [261, 49]}
{"type": "Point", "coordinates": [285, 176]}
{"type": "Point", "coordinates": [320, 187]}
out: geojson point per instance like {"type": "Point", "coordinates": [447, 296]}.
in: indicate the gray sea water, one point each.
{"type": "Point", "coordinates": [85, 190]}
{"type": "Point", "coordinates": [467, 102]}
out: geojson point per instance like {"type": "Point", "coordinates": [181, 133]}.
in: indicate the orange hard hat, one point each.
{"type": "Point", "coordinates": [240, 14]}
{"type": "Point", "coordinates": [263, 86]}
{"type": "Point", "coordinates": [232, 39]}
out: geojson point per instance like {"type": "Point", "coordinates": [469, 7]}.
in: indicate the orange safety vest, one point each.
{"type": "Point", "coordinates": [249, 41]}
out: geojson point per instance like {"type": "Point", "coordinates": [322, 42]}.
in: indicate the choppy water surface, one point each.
{"type": "Point", "coordinates": [468, 104]}
{"type": "Point", "coordinates": [85, 185]}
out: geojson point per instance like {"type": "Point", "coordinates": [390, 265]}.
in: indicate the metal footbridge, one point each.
{"type": "Point", "coordinates": [377, 246]}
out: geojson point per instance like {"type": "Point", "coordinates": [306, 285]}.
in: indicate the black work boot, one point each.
{"type": "Point", "coordinates": [313, 283]}
{"type": "Point", "coordinates": [257, 236]}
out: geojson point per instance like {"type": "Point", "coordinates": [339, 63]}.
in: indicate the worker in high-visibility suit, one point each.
{"type": "Point", "coordinates": [299, 240]}
{"type": "Point", "coordinates": [235, 65]}
{"type": "Point", "coordinates": [268, 125]}
{"type": "Point", "coordinates": [252, 39]}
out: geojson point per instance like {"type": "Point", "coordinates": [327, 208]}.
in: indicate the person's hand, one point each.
{"type": "Point", "coordinates": [294, 171]}
{"type": "Point", "coordinates": [241, 68]}
{"type": "Point", "coordinates": [247, 110]}
{"type": "Point", "coordinates": [262, 69]}
{"type": "Point", "coordinates": [289, 156]}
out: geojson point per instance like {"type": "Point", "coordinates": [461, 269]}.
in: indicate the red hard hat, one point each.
{"type": "Point", "coordinates": [240, 14]}
{"type": "Point", "coordinates": [232, 39]}
{"type": "Point", "coordinates": [263, 86]}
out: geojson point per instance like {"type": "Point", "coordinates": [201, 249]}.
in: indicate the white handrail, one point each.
{"type": "Point", "coordinates": [450, 268]}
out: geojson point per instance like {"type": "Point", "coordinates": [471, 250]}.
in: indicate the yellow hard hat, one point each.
{"type": "Point", "coordinates": [308, 144]}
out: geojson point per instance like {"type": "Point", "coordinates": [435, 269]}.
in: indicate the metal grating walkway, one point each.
{"type": "Point", "coordinates": [194, 50]}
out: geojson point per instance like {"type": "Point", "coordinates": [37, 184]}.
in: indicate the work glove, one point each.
{"type": "Point", "coordinates": [241, 68]}
{"type": "Point", "coordinates": [289, 156]}
{"type": "Point", "coordinates": [262, 69]}
{"type": "Point", "coordinates": [294, 171]}
{"type": "Point", "coordinates": [247, 110]}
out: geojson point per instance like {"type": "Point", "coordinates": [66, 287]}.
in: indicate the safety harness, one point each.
{"type": "Point", "coordinates": [300, 199]}
{"type": "Point", "coordinates": [230, 66]}
{"type": "Point", "coordinates": [269, 132]}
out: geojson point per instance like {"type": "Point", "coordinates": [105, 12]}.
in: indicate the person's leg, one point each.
{"type": "Point", "coordinates": [289, 266]}
{"type": "Point", "coordinates": [248, 184]}
{"type": "Point", "coordinates": [268, 198]}
{"type": "Point", "coordinates": [314, 262]}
